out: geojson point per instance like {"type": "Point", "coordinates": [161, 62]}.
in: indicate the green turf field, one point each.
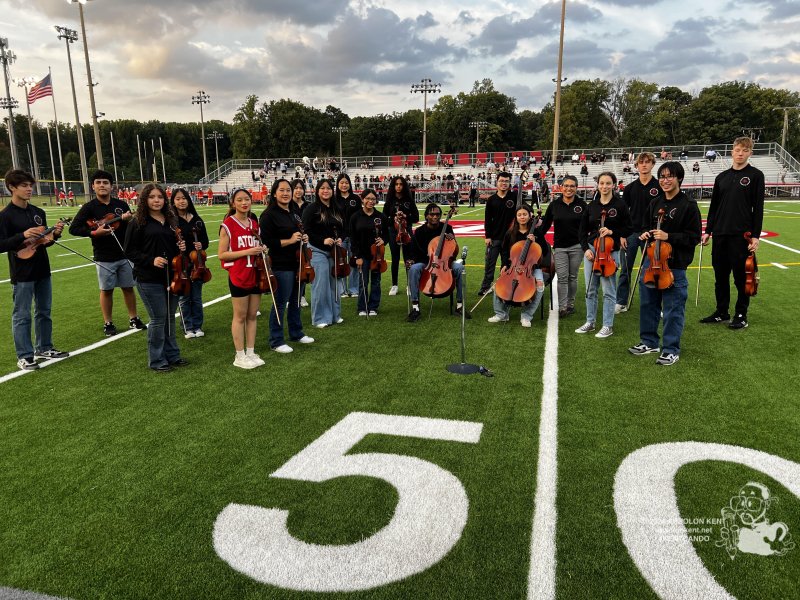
{"type": "Point", "coordinates": [409, 482]}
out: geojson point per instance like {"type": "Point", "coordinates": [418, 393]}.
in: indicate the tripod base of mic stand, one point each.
{"type": "Point", "coordinates": [463, 369]}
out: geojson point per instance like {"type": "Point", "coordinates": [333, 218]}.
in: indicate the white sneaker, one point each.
{"type": "Point", "coordinates": [362, 313]}
{"type": "Point", "coordinates": [339, 321]}
{"type": "Point", "coordinates": [497, 319]}
{"type": "Point", "coordinates": [321, 326]}
{"type": "Point", "coordinates": [604, 332]}
{"type": "Point", "coordinates": [585, 328]}
{"type": "Point", "coordinates": [189, 335]}
{"type": "Point", "coordinates": [199, 333]}
{"type": "Point", "coordinates": [258, 313]}
{"type": "Point", "coordinates": [525, 322]}
{"type": "Point", "coordinates": [283, 349]}
{"type": "Point", "coordinates": [255, 359]}
{"type": "Point", "coordinates": [303, 302]}
{"type": "Point", "coordinates": [243, 362]}
{"type": "Point", "coordinates": [393, 290]}
{"type": "Point", "coordinates": [620, 308]}
{"type": "Point", "coordinates": [306, 340]}
{"type": "Point", "coordinates": [373, 313]}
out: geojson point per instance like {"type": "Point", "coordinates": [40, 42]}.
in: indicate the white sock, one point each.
{"type": "Point", "coordinates": [250, 351]}
{"type": "Point", "coordinates": [240, 354]}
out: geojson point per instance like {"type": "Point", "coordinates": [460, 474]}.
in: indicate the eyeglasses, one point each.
{"type": "Point", "coordinates": [665, 177]}
{"type": "Point", "coordinates": [435, 214]}
{"type": "Point", "coordinates": [569, 186]}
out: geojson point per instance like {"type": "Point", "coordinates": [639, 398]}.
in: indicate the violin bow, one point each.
{"type": "Point", "coordinates": [638, 276]}
{"type": "Point", "coordinates": [82, 256]}
{"type": "Point", "coordinates": [699, 270]}
{"type": "Point", "coordinates": [269, 281]}
{"type": "Point", "coordinates": [364, 288]}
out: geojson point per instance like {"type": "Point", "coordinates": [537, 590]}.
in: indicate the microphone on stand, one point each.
{"type": "Point", "coordinates": [463, 258]}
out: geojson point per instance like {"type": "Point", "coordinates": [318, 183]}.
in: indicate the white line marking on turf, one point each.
{"type": "Point", "coordinates": [7, 593]}
{"type": "Point", "coordinates": [779, 265]}
{"type": "Point", "coordinates": [764, 241]}
{"type": "Point", "coordinates": [542, 573]}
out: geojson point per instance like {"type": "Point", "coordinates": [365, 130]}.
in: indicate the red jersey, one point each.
{"type": "Point", "coordinates": [242, 270]}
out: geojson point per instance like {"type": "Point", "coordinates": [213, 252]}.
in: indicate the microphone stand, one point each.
{"type": "Point", "coordinates": [465, 368]}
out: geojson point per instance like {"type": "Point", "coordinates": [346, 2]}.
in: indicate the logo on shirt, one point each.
{"type": "Point", "coordinates": [37, 219]}
{"type": "Point", "coordinates": [198, 226]}
{"type": "Point", "coordinates": [578, 210]}
{"type": "Point", "coordinates": [377, 222]}
{"type": "Point", "coordinates": [744, 181]}
{"type": "Point", "coordinates": [352, 203]}
{"type": "Point", "coordinates": [672, 213]}
{"type": "Point", "coordinates": [612, 213]}
{"type": "Point", "coordinates": [118, 211]}
{"type": "Point", "coordinates": [509, 204]}
{"type": "Point", "coordinates": [654, 192]}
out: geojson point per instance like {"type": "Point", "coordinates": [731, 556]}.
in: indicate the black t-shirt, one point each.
{"type": "Point", "coordinates": [618, 220]}
{"type": "Point", "coordinates": [513, 237]}
{"type": "Point", "coordinates": [499, 215]}
{"type": "Point", "coordinates": [407, 207]}
{"type": "Point", "coordinates": [348, 207]}
{"type": "Point", "coordinates": [364, 229]}
{"type": "Point", "coordinates": [187, 231]}
{"type": "Point", "coordinates": [322, 222]}
{"type": "Point", "coordinates": [681, 221]}
{"type": "Point", "coordinates": [278, 224]}
{"type": "Point", "coordinates": [737, 202]}
{"type": "Point", "coordinates": [106, 248]}
{"type": "Point", "coordinates": [422, 237]}
{"type": "Point", "coordinates": [638, 197]}
{"type": "Point", "coordinates": [143, 244]}
{"type": "Point", "coordinates": [14, 221]}
{"type": "Point", "coordinates": [567, 219]}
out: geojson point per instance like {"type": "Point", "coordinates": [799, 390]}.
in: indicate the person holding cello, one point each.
{"type": "Point", "coordinates": [369, 230]}
{"type": "Point", "coordinates": [401, 210]}
{"type": "Point", "coordinates": [603, 231]}
{"type": "Point", "coordinates": [283, 237]}
{"type": "Point", "coordinates": [151, 243]}
{"type": "Point", "coordinates": [193, 229]}
{"type": "Point", "coordinates": [104, 220]}
{"type": "Point", "coordinates": [673, 230]}
{"type": "Point", "coordinates": [324, 225]}
{"type": "Point", "coordinates": [239, 248]}
{"type": "Point", "coordinates": [536, 255]}
{"type": "Point", "coordinates": [424, 237]}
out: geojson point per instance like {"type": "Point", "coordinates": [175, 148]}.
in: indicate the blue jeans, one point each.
{"type": "Point", "coordinates": [162, 349]}
{"type": "Point", "coordinates": [609, 292]}
{"type": "Point", "coordinates": [672, 302]}
{"type": "Point", "coordinates": [192, 307]}
{"type": "Point", "coordinates": [503, 309]}
{"type": "Point", "coordinates": [352, 280]}
{"type": "Point", "coordinates": [286, 292]}
{"type": "Point", "coordinates": [369, 284]}
{"type": "Point", "coordinates": [626, 268]}
{"type": "Point", "coordinates": [23, 294]}
{"type": "Point", "coordinates": [326, 305]}
{"type": "Point", "coordinates": [415, 273]}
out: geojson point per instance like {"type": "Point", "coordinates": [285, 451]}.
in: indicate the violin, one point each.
{"type": "Point", "coordinates": [658, 274]}
{"type": "Point", "coordinates": [340, 268]}
{"type": "Point", "coordinates": [200, 271]}
{"type": "Point", "coordinates": [180, 285]}
{"type": "Point", "coordinates": [305, 272]}
{"type": "Point", "coordinates": [401, 224]}
{"type": "Point", "coordinates": [751, 276]}
{"type": "Point", "coordinates": [377, 263]}
{"type": "Point", "coordinates": [516, 283]}
{"type": "Point", "coordinates": [603, 263]}
{"type": "Point", "coordinates": [31, 245]}
{"type": "Point", "coordinates": [437, 278]}
{"type": "Point", "coordinates": [110, 220]}
{"type": "Point", "coordinates": [265, 278]}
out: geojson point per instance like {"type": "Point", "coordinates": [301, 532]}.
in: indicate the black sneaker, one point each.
{"type": "Point", "coordinates": [666, 359]}
{"type": "Point", "coordinates": [716, 317]}
{"type": "Point", "coordinates": [181, 362]}
{"type": "Point", "coordinates": [413, 316]}
{"type": "Point", "coordinates": [136, 323]}
{"type": "Point", "coordinates": [738, 322]}
{"type": "Point", "coordinates": [459, 310]}
{"type": "Point", "coordinates": [109, 329]}
{"type": "Point", "coordinates": [52, 353]}
{"type": "Point", "coordinates": [161, 369]}
{"type": "Point", "coordinates": [642, 349]}
{"type": "Point", "coordinates": [27, 364]}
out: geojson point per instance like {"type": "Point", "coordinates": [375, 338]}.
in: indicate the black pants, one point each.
{"type": "Point", "coordinates": [728, 254]}
{"type": "Point", "coordinates": [394, 249]}
{"type": "Point", "coordinates": [492, 254]}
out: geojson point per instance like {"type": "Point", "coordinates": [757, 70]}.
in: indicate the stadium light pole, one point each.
{"type": "Point", "coordinates": [24, 82]}
{"type": "Point", "coordinates": [339, 130]}
{"type": "Point", "coordinates": [425, 87]}
{"type": "Point", "coordinates": [559, 80]}
{"type": "Point", "coordinates": [70, 36]}
{"type": "Point", "coordinates": [98, 147]}
{"type": "Point", "coordinates": [7, 57]}
{"type": "Point", "coordinates": [785, 110]}
{"type": "Point", "coordinates": [215, 135]}
{"type": "Point", "coordinates": [477, 125]}
{"type": "Point", "coordinates": [202, 98]}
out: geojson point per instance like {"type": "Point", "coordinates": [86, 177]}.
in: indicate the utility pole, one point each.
{"type": "Point", "coordinates": [785, 110]}
{"type": "Point", "coordinates": [477, 126]}
{"type": "Point", "coordinates": [559, 81]}
{"type": "Point", "coordinates": [202, 98]}
{"type": "Point", "coordinates": [425, 87]}
{"type": "Point", "coordinates": [7, 57]}
{"type": "Point", "coordinates": [215, 135]}
{"type": "Point", "coordinates": [339, 130]}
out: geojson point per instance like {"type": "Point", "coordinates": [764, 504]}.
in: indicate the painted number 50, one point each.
{"type": "Point", "coordinates": [430, 515]}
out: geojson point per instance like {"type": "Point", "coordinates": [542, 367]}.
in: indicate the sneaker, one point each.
{"type": "Point", "coordinates": [604, 332]}
{"type": "Point", "coordinates": [181, 362]}
{"type": "Point", "coordinates": [345, 295]}
{"type": "Point", "coordinates": [642, 349]}
{"type": "Point", "coordinates": [563, 313]}
{"type": "Point", "coordinates": [570, 310]}
{"type": "Point", "coordinates": [373, 313]}
{"type": "Point", "coordinates": [738, 322]}
{"type": "Point", "coordinates": [258, 313]}
{"type": "Point", "coordinates": [244, 362]}
{"type": "Point", "coordinates": [585, 328]}
{"type": "Point", "coordinates": [497, 319]}
{"type": "Point", "coordinates": [321, 326]}
{"type": "Point", "coordinates": [716, 317]}
{"type": "Point", "coordinates": [283, 349]}
{"type": "Point", "coordinates": [109, 329]}
{"type": "Point", "coordinates": [199, 333]}
{"type": "Point", "coordinates": [136, 323]}
{"type": "Point", "coordinates": [161, 369]}
{"type": "Point", "coordinates": [362, 313]}
{"type": "Point", "coordinates": [303, 302]}
{"type": "Point", "coordinates": [525, 322]}
{"type": "Point", "coordinates": [255, 359]}
{"type": "Point", "coordinates": [189, 335]}
{"type": "Point", "coordinates": [52, 353]}
{"type": "Point", "coordinates": [413, 316]}
{"type": "Point", "coordinates": [306, 340]}
{"type": "Point", "coordinates": [27, 364]}
{"type": "Point", "coordinates": [393, 290]}
{"type": "Point", "coordinates": [482, 292]}
{"type": "Point", "coordinates": [467, 314]}
{"type": "Point", "coordinates": [620, 308]}
{"type": "Point", "coordinates": [667, 359]}
{"type": "Point", "coordinates": [339, 321]}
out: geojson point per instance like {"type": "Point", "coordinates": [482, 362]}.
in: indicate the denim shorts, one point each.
{"type": "Point", "coordinates": [116, 274]}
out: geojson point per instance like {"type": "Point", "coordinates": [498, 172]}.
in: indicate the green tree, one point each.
{"type": "Point", "coordinates": [249, 131]}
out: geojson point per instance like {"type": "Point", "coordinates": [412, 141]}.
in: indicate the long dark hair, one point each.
{"type": "Point", "coordinates": [514, 229]}
{"type": "Point", "coordinates": [338, 194]}
{"type": "Point", "coordinates": [143, 211]}
{"type": "Point", "coordinates": [190, 208]}
{"type": "Point", "coordinates": [274, 188]}
{"type": "Point", "coordinates": [391, 195]}
{"type": "Point", "coordinates": [327, 212]}
{"type": "Point", "coordinates": [295, 183]}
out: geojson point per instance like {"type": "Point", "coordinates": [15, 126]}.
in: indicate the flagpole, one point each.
{"type": "Point", "coordinates": [163, 168]}
{"type": "Point", "coordinates": [23, 83]}
{"type": "Point", "coordinates": [52, 163]}
{"type": "Point", "coordinates": [58, 136]}
{"type": "Point", "coordinates": [114, 158]}
{"type": "Point", "coordinates": [139, 152]}
{"type": "Point", "coordinates": [153, 148]}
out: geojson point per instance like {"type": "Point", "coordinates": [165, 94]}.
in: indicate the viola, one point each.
{"type": "Point", "coordinates": [437, 278]}
{"type": "Point", "coordinates": [603, 263]}
{"type": "Point", "coordinates": [265, 278]}
{"type": "Point", "coordinates": [305, 272]}
{"type": "Point", "coordinates": [110, 220]}
{"type": "Point", "coordinates": [516, 283]}
{"type": "Point", "coordinates": [31, 245]}
{"type": "Point", "coordinates": [401, 224]}
{"type": "Point", "coordinates": [200, 271]}
{"type": "Point", "coordinates": [377, 262]}
{"type": "Point", "coordinates": [180, 285]}
{"type": "Point", "coordinates": [751, 276]}
{"type": "Point", "coordinates": [658, 274]}
{"type": "Point", "coordinates": [340, 268]}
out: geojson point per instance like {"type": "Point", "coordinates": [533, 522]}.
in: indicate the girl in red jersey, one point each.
{"type": "Point", "coordinates": [238, 249]}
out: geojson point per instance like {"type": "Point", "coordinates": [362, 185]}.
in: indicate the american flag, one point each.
{"type": "Point", "coordinates": [41, 90]}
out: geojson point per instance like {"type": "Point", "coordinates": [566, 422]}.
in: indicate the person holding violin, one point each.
{"type": "Point", "coordinates": [670, 235]}
{"type": "Point", "coordinates": [282, 236]}
{"type": "Point", "coordinates": [348, 203]}
{"type": "Point", "coordinates": [20, 221]}
{"type": "Point", "coordinates": [193, 230]}
{"type": "Point", "coordinates": [401, 210]}
{"type": "Point", "coordinates": [369, 230]}
{"type": "Point", "coordinates": [324, 225]}
{"type": "Point", "coordinates": [298, 205]}
{"type": "Point", "coordinates": [603, 232]}
{"type": "Point", "coordinates": [420, 248]}
{"type": "Point", "coordinates": [522, 231]}
{"type": "Point", "coordinates": [104, 220]}
{"type": "Point", "coordinates": [151, 243]}
{"type": "Point", "coordinates": [239, 249]}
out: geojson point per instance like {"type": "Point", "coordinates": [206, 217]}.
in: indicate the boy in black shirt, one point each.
{"type": "Point", "coordinates": [501, 207]}
{"type": "Point", "coordinates": [737, 207]}
{"type": "Point", "coordinates": [30, 278]}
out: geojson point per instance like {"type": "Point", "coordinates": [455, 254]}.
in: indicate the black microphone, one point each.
{"type": "Point", "coordinates": [463, 258]}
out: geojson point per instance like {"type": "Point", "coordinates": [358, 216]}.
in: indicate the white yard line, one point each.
{"type": "Point", "coordinates": [766, 241]}
{"type": "Point", "coordinates": [542, 573]}
{"type": "Point", "coordinates": [779, 265]}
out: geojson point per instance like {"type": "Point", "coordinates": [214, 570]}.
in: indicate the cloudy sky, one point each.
{"type": "Point", "coordinates": [150, 56]}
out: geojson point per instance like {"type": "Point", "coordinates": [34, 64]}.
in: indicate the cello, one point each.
{"type": "Point", "coordinates": [437, 278]}
{"type": "Point", "coordinates": [516, 284]}
{"type": "Point", "coordinates": [658, 274]}
{"type": "Point", "coordinates": [751, 276]}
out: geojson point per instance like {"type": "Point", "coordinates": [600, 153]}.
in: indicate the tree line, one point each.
{"type": "Point", "coordinates": [594, 113]}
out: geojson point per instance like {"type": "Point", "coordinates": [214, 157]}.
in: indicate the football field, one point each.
{"type": "Point", "coordinates": [359, 467]}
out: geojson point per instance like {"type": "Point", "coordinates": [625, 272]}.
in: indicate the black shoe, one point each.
{"type": "Point", "coordinates": [181, 362]}
{"type": "Point", "coordinates": [109, 329]}
{"type": "Point", "coordinates": [413, 316]}
{"type": "Point", "coordinates": [467, 314]}
{"type": "Point", "coordinates": [52, 353]}
{"type": "Point", "coordinates": [738, 322]}
{"type": "Point", "coordinates": [27, 364]}
{"type": "Point", "coordinates": [716, 317]}
{"type": "Point", "coordinates": [136, 323]}
{"type": "Point", "coordinates": [570, 310]}
{"type": "Point", "coordinates": [162, 369]}
{"type": "Point", "coordinates": [482, 292]}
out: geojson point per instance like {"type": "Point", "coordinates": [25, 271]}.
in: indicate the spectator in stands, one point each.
{"type": "Point", "coordinates": [584, 170]}
{"type": "Point", "coordinates": [576, 159]}
{"type": "Point", "coordinates": [696, 167]}
{"type": "Point", "coordinates": [663, 153]}
{"type": "Point", "coordinates": [684, 155]}
{"type": "Point", "coordinates": [583, 157]}
{"type": "Point", "coordinates": [559, 159]}
{"type": "Point", "coordinates": [711, 155]}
